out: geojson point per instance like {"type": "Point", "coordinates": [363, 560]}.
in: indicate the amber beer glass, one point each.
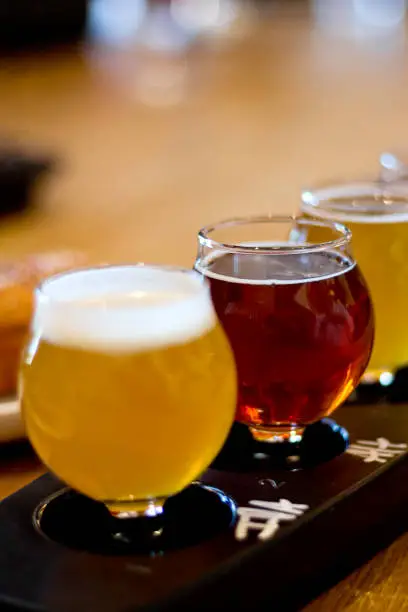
{"type": "Point", "coordinates": [377, 214]}
{"type": "Point", "coordinates": [298, 315]}
{"type": "Point", "coordinates": [128, 383]}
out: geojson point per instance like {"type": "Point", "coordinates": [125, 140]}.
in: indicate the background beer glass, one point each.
{"type": "Point", "coordinates": [128, 383]}
{"type": "Point", "coordinates": [297, 313]}
{"type": "Point", "coordinates": [377, 214]}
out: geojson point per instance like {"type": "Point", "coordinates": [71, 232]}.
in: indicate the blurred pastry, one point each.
{"type": "Point", "coordinates": [18, 280]}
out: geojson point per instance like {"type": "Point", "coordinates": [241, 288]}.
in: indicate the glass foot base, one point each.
{"type": "Point", "coordinates": [321, 442]}
{"type": "Point", "coordinates": [196, 514]}
{"type": "Point", "coordinates": [136, 509]}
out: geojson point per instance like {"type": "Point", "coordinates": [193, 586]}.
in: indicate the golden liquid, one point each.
{"type": "Point", "coordinates": [381, 251]}
{"type": "Point", "coordinates": [121, 427]}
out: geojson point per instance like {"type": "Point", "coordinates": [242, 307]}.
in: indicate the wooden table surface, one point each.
{"type": "Point", "coordinates": [151, 148]}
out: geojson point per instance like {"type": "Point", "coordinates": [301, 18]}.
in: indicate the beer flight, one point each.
{"type": "Point", "coordinates": [134, 374]}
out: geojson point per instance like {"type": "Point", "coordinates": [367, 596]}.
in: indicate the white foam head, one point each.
{"type": "Point", "coordinates": [367, 203]}
{"type": "Point", "coordinates": [123, 308]}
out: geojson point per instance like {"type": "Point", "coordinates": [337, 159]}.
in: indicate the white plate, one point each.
{"type": "Point", "coordinates": [11, 423]}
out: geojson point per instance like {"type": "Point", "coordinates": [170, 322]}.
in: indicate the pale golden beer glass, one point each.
{"type": "Point", "coordinates": [128, 383]}
{"type": "Point", "coordinates": [377, 215]}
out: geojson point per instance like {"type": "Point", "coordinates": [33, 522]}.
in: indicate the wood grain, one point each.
{"type": "Point", "coordinates": [379, 586]}
{"type": "Point", "coordinates": [152, 148]}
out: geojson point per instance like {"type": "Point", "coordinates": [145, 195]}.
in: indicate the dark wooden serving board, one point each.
{"type": "Point", "coordinates": [347, 509]}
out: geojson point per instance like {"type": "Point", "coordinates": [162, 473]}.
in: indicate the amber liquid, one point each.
{"type": "Point", "coordinates": [301, 342]}
{"type": "Point", "coordinates": [123, 427]}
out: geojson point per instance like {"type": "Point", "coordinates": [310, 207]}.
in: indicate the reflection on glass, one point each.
{"type": "Point", "coordinates": [144, 44]}
{"type": "Point", "coordinates": [142, 49]}
{"type": "Point", "coordinates": [394, 165]}
{"type": "Point", "coordinates": [151, 25]}
{"type": "Point", "coordinates": [115, 21]}
{"type": "Point", "coordinates": [161, 79]}
{"type": "Point", "coordinates": [360, 18]}
{"type": "Point", "coordinates": [380, 13]}
{"type": "Point", "coordinates": [210, 16]}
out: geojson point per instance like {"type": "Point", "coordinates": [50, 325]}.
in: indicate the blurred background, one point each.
{"type": "Point", "coordinates": [125, 125]}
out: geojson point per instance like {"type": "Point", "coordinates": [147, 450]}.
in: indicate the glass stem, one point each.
{"type": "Point", "coordinates": [129, 509]}
{"type": "Point", "coordinates": [278, 433]}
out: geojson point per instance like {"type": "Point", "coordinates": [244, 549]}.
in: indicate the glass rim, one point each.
{"type": "Point", "coordinates": [40, 290]}
{"type": "Point", "coordinates": [294, 249]}
{"type": "Point", "coordinates": [326, 197]}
